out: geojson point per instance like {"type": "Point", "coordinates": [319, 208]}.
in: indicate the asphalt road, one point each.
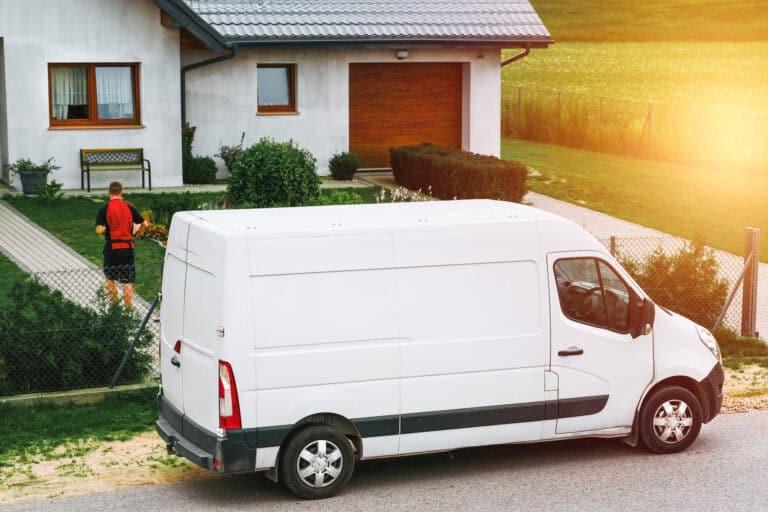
{"type": "Point", "coordinates": [726, 469]}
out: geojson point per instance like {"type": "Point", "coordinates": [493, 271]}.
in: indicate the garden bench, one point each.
{"type": "Point", "coordinates": [126, 159]}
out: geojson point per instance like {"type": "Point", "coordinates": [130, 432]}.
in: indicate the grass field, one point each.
{"type": "Point", "coordinates": [691, 202]}
{"type": "Point", "coordinates": [654, 20]}
{"type": "Point", "coordinates": [710, 105]}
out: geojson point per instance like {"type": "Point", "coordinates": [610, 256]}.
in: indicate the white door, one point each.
{"type": "Point", "coordinates": [602, 371]}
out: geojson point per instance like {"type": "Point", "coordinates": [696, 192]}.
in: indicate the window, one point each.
{"type": "Point", "coordinates": [591, 292]}
{"type": "Point", "coordinates": [276, 88]}
{"type": "Point", "coordinates": [93, 94]}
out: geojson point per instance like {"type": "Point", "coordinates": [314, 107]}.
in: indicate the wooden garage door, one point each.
{"type": "Point", "coordinates": [400, 104]}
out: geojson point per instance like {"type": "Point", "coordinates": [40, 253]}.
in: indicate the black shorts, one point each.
{"type": "Point", "coordinates": [119, 265]}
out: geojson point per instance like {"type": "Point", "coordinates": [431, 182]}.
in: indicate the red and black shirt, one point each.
{"type": "Point", "coordinates": [118, 217]}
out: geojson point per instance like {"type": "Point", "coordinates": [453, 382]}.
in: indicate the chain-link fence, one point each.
{"type": "Point", "coordinates": [66, 329]}
{"type": "Point", "coordinates": [698, 134]}
{"type": "Point", "coordinates": [70, 328]}
{"type": "Point", "coordinates": [688, 278]}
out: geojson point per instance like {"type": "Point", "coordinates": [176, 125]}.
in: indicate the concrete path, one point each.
{"type": "Point", "coordinates": [724, 470]}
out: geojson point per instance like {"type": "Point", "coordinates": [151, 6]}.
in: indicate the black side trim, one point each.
{"type": "Point", "coordinates": [268, 436]}
{"type": "Point", "coordinates": [378, 426]}
{"type": "Point", "coordinates": [582, 406]}
{"type": "Point", "coordinates": [472, 417]}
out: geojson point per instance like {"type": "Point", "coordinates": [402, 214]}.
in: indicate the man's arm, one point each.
{"type": "Point", "coordinates": [138, 219]}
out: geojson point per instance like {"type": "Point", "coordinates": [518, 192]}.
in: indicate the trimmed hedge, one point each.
{"type": "Point", "coordinates": [449, 173]}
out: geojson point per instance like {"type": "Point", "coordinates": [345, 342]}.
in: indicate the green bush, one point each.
{"type": "Point", "coordinates": [452, 174]}
{"type": "Point", "coordinates": [271, 173]}
{"type": "Point", "coordinates": [343, 166]}
{"type": "Point", "coordinates": [686, 282]}
{"type": "Point", "coordinates": [50, 343]}
{"type": "Point", "coordinates": [201, 171]}
{"type": "Point", "coordinates": [734, 345]}
{"type": "Point", "coordinates": [230, 153]}
{"type": "Point", "coordinates": [336, 197]}
{"type": "Point", "coordinates": [163, 206]}
{"type": "Point", "coordinates": [187, 138]}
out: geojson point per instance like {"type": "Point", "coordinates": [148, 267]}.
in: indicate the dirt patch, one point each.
{"type": "Point", "coordinates": [91, 467]}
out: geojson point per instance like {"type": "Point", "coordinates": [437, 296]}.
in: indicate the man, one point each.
{"type": "Point", "coordinates": [115, 221]}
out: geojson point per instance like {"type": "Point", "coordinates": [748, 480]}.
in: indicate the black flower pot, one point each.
{"type": "Point", "coordinates": [32, 182]}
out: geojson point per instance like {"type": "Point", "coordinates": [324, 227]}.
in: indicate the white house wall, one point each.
{"type": "Point", "coordinates": [221, 98]}
{"type": "Point", "coordinates": [39, 32]}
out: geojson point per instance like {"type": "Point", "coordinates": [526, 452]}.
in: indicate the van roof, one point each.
{"type": "Point", "coordinates": [384, 216]}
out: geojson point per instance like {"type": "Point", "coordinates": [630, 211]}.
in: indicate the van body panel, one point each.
{"type": "Point", "coordinates": [678, 348]}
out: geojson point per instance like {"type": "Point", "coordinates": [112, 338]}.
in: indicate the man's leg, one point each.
{"type": "Point", "coordinates": [128, 294]}
{"type": "Point", "coordinates": [112, 290]}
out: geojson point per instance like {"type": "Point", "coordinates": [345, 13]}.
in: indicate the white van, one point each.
{"type": "Point", "coordinates": [301, 340]}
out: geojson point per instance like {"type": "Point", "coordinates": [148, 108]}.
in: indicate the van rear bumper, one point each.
{"type": "Point", "coordinates": [183, 437]}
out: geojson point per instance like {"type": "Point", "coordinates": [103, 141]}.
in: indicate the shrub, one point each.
{"type": "Point", "coordinates": [48, 342]}
{"type": "Point", "coordinates": [187, 138]}
{"type": "Point", "coordinates": [51, 192]}
{"type": "Point", "coordinates": [273, 173]}
{"type": "Point", "coordinates": [163, 206]}
{"type": "Point", "coordinates": [733, 345]}
{"type": "Point", "coordinates": [453, 174]}
{"type": "Point", "coordinates": [336, 197]}
{"type": "Point", "coordinates": [201, 171]}
{"type": "Point", "coordinates": [343, 166]}
{"type": "Point", "coordinates": [229, 153]}
{"type": "Point", "coordinates": [686, 282]}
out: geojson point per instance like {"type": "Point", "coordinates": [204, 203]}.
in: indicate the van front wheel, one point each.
{"type": "Point", "coordinates": [317, 462]}
{"type": "Point", "coordinates": [670, 420]}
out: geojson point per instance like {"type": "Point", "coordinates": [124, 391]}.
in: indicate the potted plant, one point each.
{"type": "Point", "coordinates": [33, 176]}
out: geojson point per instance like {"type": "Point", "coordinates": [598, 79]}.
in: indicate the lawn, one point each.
{"type": "Point", "coordinates": [654, 20]}
{"type": "Point", "coordinates": [710, 205]}
{"type": "Point", "coordinates": [72, 220]}
{"type": "Point", "coordinates": [9, 272]}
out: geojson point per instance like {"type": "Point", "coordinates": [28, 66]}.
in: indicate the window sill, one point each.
{"type": "Point", "coordinates": [286, 113]}
{"type": "Point", "coordinates": [99, 127]}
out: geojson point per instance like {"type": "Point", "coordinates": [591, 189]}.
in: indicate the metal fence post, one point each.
{"type": "Point", "coordinates": [600, 123]}
{"type": "Point", "coordinates": [558, 117]}
{"type": "Point", "coordinates": [749, 291]}
{"type": "Point", "coordinates": [613, 246]}
{"type": "Point", "coordinates": [519, 106]}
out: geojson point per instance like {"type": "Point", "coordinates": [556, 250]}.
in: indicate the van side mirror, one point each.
{"type": "Point", "coordinates": [642, 321]}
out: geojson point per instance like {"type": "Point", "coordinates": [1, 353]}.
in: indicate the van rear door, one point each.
{"type": "Point", "coordinates": [172, 310]}
{"type": "Point", "coordinates": [200, 351]}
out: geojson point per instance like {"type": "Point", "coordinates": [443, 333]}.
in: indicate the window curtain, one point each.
{"type": "Point", "coordinates": [69, 92]}
{"type": "Point", "coordinates": [114, 90]}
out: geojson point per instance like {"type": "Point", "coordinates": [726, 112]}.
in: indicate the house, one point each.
{"type": "Point", "coordinates": [332, 75]}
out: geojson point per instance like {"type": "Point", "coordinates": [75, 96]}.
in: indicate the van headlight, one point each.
{"type": "Point", "coordinates": [708, 339]}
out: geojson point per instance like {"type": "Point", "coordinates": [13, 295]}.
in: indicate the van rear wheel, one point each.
{"type": "Point", "coordinates": [317, 462]}
{"type": "Point", "coordinates": [670, 420]}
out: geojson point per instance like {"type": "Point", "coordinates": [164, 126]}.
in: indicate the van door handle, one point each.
{"type": "Point", "coordinates": [175, 362]}
{"type": "Point", "coordinates": [571, 351]}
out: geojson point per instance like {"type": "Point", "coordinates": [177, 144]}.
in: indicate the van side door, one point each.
{"type": "Point", "coordinates": [602, 371]}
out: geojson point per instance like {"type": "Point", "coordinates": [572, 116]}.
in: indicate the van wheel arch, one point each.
{"type": "Point", "coordinates": [684, 382]}
{"type": "Point", "coordinates": [342, 424]}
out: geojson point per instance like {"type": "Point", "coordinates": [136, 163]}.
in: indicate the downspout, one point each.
{"type": "Point", "coordinates": [190, 67]}
{"type": "Point", "coordinates": [519, 56]}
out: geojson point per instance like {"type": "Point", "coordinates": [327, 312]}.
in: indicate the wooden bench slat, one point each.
{"type": "Point", "coordinates": [113, 159]}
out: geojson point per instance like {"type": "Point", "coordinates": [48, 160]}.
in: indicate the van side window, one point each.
{"type": "Point", "coordinates": [591, 292]}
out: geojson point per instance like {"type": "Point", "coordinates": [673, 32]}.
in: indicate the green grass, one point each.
{"type": "Point", "coordinates": [709, 100]}
{"type": "Point", "coordinates": [28, 432]}
{"type": "Point", "coordinates": [690, 202]}
{"type": "Point", "coordinates": [654, 20]}
{"type": "Point", "coordinates": [9, 272]}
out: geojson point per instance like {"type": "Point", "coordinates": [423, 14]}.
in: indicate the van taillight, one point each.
{"type": "Point", "coordinates": [229, 405]}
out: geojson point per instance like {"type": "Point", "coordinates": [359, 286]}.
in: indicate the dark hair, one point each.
{"type": "Point", "coordinates": [115, 188]}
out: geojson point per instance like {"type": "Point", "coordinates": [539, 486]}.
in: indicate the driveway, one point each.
{"type": "Point", "coordinates": [724, 470]}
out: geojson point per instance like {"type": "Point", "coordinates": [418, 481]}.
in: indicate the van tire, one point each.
{"type": "Point", "coordinates": [670, 420]}
{"type": "Point", "coordinates": [332, 459]}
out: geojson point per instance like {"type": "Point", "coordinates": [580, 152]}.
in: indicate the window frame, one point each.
{"type": "Point", "coordinates": [631, 291]}
{"type": "Point", "coordinates": [93, 105]}
{"type": "Point", "coordinates": [291, 107]}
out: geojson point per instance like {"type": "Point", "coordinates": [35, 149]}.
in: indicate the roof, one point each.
{"type": "Point", "coordinates": [252, 22]}
{"type": "Point", "coordinates": [382, 217]}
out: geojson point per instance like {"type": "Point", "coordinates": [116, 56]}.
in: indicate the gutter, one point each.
{"type": "Point", "coordinates": [196, 65]}
{"type": "Point", "coordinates": [186, 18]}
{"type": "Point", "coordinates": [517, 57]}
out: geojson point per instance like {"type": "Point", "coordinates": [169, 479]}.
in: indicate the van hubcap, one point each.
{"type": "Point", "coordinates": [319, 463]}
{"type": "Point", "coordinates": [673, 421]}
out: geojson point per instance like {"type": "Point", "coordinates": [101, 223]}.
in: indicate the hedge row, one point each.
{"type": "Point", "coordinates": [449, 173]}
